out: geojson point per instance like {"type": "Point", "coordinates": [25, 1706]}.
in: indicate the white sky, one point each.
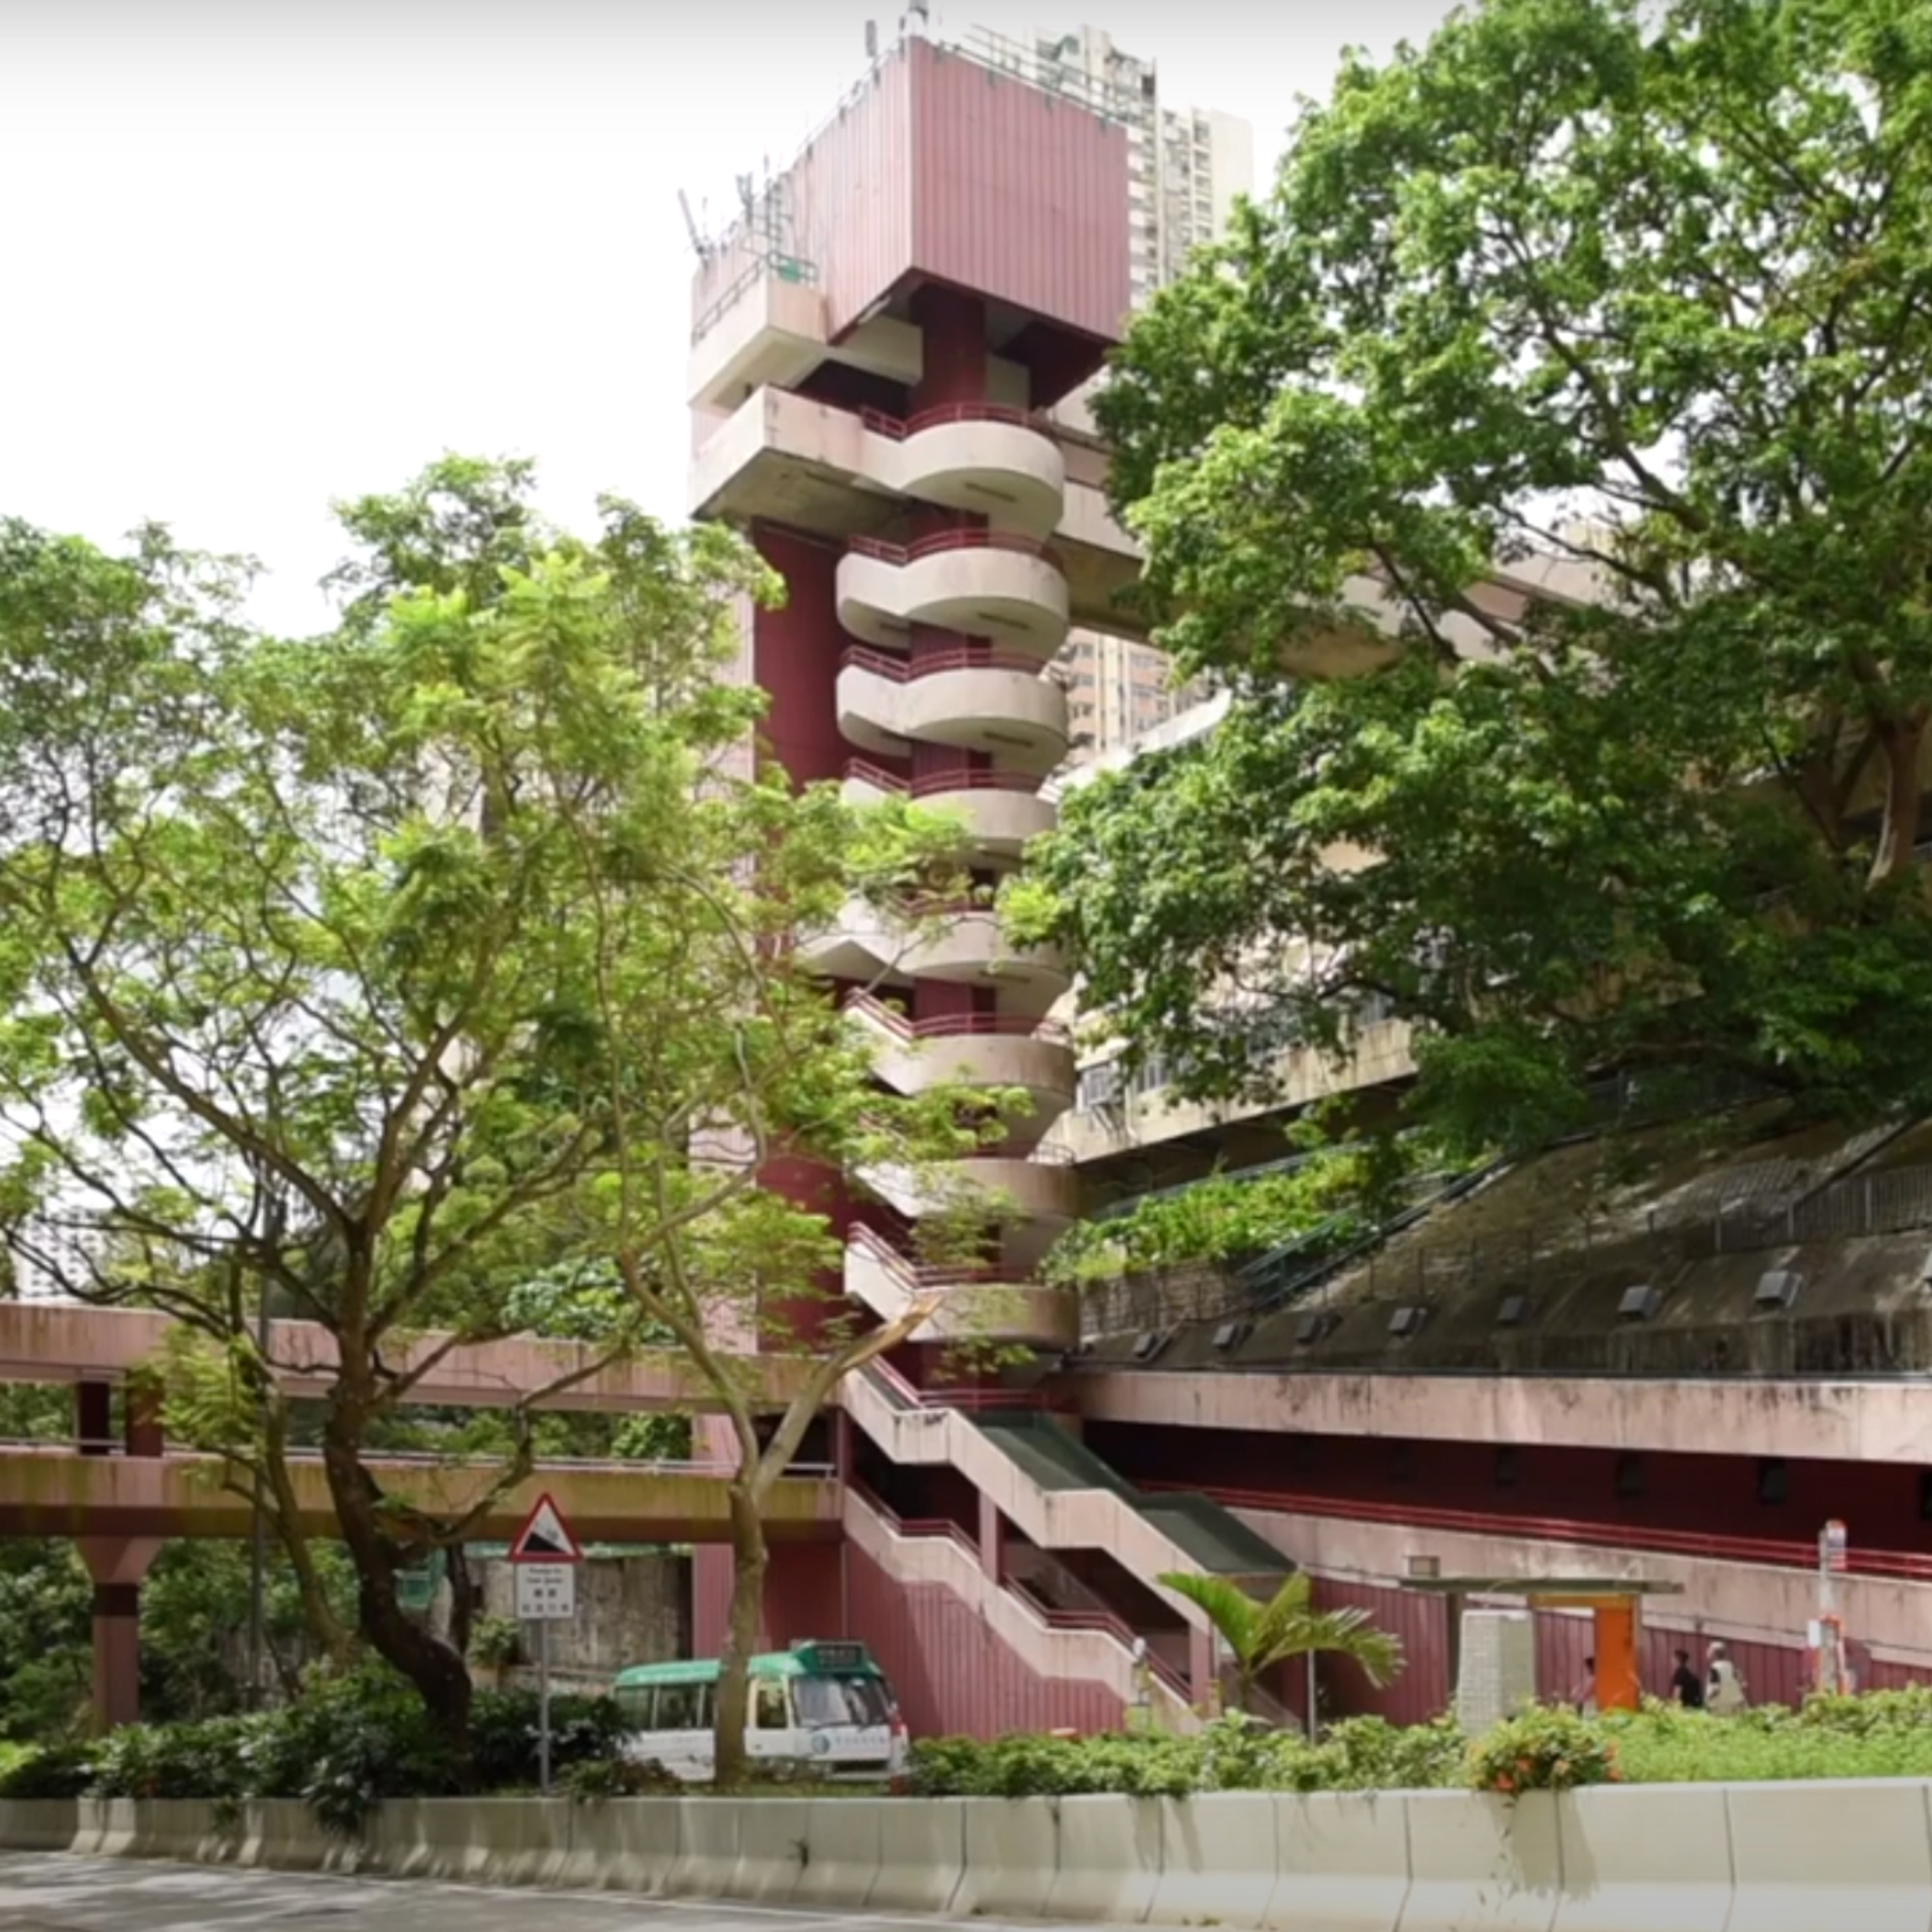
{"type": "Point", "coordinates": [258, 254]}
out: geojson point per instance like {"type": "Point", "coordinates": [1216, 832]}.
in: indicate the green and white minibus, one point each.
{"type": "Point", "coordinates": [825, 1707]}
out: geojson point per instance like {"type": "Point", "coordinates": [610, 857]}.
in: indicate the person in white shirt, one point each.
{"type": "Point", "coordinates": [1724, 1691]}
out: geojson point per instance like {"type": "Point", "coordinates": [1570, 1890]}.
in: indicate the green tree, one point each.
{"type": "Point", "coordinates": [376, 972]}
{"type": "Point", "coordinates": [1260, 1635]}
{"type": "Point", "coordinates": [1633, 305]}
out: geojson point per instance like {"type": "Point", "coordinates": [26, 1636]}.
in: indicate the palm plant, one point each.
{"type": "Point", "coordinates": [1259, 1635]}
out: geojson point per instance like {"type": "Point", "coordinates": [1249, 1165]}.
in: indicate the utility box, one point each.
{"type": "Point", "coordinates": [1498, 1675]}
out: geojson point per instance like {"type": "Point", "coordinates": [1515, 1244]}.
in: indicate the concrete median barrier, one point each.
{"type": "Point", "coordinates": [483, 1841]}
{"type": "Point", "coordinates": [1479, 1863]}
{"type": "Point", "coordinates": [39, 1824]}
{"type": "Point", "coordinates": [282, 1834]}
{"type": "Point", "coordinates": [90, 1819]}
{"type": "Point", "coordinates": [1108, 1861]}
{"type": "Point", "coordinates": [773, 1847]}
{"type": "Point", "coordinates": [1767, 1857]}
{"type": "Point", "coordinates": [1012, 1851]}
{"type": "Point", "coordinates": [1855, 1854]}
{"type": "Point", "coordinates": [844, 1846]}
{"type": "Point", "coordinates": [921, 1855]}
{"type": "Point", "coordinates": [1655, 1857]}
{"type": "Point", "coordinates": [623, 1844]}
{"type": "Point", "coordinates": [1343, 1858]}
{"type": "Point", "coordinates": [1217, 1861]}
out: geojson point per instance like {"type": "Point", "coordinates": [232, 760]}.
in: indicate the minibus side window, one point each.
{"type": "Point", "coordinates": [636, 1703]}
{"type": "Point", "coordinates": [677, 1707]}
{"type": "Point", "coordinates": [768, 1705]}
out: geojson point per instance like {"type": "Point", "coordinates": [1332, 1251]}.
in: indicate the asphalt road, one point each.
{"type": "Point", "coordinates": [51, 1893]}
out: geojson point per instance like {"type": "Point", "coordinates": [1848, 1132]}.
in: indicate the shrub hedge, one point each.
{"type": "Point", "coordinates": [353, 1741]}
{"type": "Point", "coordinates": [349, 1744]}
{"type": "Point", "coordinates": [1881, 1734]}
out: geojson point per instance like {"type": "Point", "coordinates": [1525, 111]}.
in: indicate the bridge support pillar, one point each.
{"type": "Point", "coordinates": [118, 1565]}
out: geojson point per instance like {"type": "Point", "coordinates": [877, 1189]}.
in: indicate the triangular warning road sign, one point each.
{"type": "Point", "coordinates": [545, 1538]}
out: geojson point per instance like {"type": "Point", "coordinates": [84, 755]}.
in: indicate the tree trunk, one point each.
{"type": "Point", "coordinates": [750, 1559]}
{"type": "Point", "coordinates": [325, 1630]}
{"type": "Point", "coordinates": [441, 1677]}
{"type": "Point", "coordinates": [1901, 743]}
{"type": "Point", "coordinates": [462, 1599]}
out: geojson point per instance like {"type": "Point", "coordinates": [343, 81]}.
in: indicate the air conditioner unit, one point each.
{"type": "Point", "coordinates": [1312, 1328]}
{"type": "Point", "coordinates": [1640, 1304]}
{"type": "Point", "coordinates": [1407, 1321]}
{"type": "Point", "coordinates": [1513, 1311]}
{"type": "Point", "coordinates": [1232, 1334]}
{"type": "Point", "coordinates": [1778, 1289]}
{"type": "Point", "coordinates": [1148, 1344]}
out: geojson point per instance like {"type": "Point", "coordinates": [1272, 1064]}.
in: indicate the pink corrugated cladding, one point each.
{"type": "Point", "coordinates": [1017, 195]}
{"type": "Point", "coordinates": [953, 1676]}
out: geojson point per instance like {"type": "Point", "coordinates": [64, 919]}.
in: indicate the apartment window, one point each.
{"type": "Point", "coordinates": [1773, 1479]}
{"type": "Point", "coordinates": [1630, 1476]}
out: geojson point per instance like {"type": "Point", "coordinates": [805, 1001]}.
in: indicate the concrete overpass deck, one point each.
{"type": "Point", "coordinates": [54, 1490]}
{"type": "Point", "coordinates": [65, 1342]}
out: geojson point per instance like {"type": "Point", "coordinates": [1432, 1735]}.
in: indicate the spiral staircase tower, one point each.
{"type": "Point", "coordinates": [947, 693]}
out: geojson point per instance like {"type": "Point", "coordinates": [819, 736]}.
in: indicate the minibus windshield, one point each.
{"type": "Point", "coordinates": [821, 1701]}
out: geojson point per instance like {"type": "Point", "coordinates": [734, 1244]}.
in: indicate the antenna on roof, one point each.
{"type": "Point", "coordinates": [871, 40]}
{"type": "Point", "coordinates": [701, 247]}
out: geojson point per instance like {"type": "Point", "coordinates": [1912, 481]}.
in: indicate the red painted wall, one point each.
{"type": "Point", "coordinates": [1423, 1690]}
{"type": "Point", "coordinates": [804, 1596]}
{"type": "Point", "coordinates": [952, 1675]}
{"type": "Point", "coordinates": [796, 651]}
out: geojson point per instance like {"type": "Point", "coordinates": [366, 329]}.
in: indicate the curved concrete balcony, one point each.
{"type": "Point", "coordinates": [982, 584]}
{"type": "Point", "coordinates": [970, 1304]}
{"type": "Point", "coordinates": [964, 945]}
{"type": "Point", "coordinates": [974, 699]}
{"type": "Point", "coordinates": [1001, 811]}
{"type": "Point", "coordinates": [1006, 1187]}
{"type": "Point", "coordinates": [979, 457]}
{"type": "Point", "coordinates": [1035, 1057]}
{"type": "Point", "coordinates": [862, 944]}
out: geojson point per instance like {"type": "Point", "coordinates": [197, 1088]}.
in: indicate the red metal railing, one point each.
{"type": "Point", "coordinates": [899, 427]}
{"type": "Point", "coordinates": [935, 783]}
{"type": "Point", "coordinates": [1041, 1611]}
{"type": "Point", "coordinates": [1907, 1565]}
{"type": "Point", "coordinates": [964, 657]}
{"type": "Point", "coordinates": [915, 1274]}
{"type": "Point", "coordinates": [909, 1395]}
{"type": "Point", "coordinates": [957, 1026]}
{"type": "Point", "coordinates": [939, 541]}
{"type": "Point", "coordinates": [862, 771]}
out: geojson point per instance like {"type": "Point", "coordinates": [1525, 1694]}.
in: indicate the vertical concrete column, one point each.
{"type": "Point", "coordinates": [953, 328]}
{"type": "Point", "coordinates": [992, 1539]}
{"type": "Point", "coordinates": [118, 1565]}
{"type": "Point", "coordinates": [93, 1418]}
{"type": "Point", "coordinates": [141, 1419]}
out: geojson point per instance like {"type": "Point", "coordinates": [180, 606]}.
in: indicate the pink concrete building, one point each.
{"type": "Point", "coordinates": [878, 349]}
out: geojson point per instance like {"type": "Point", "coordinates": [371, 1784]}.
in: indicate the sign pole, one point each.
{"type": "Point", "coordinates": [543, 1707]}
{"type": "Point", "coordinates": [545, 1556]}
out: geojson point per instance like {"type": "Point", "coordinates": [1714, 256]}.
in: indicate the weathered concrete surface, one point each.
{"type": "Point", "coordinates": [41, 1893]}
{"type": "Point", "coordinates": [61, 1492]}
